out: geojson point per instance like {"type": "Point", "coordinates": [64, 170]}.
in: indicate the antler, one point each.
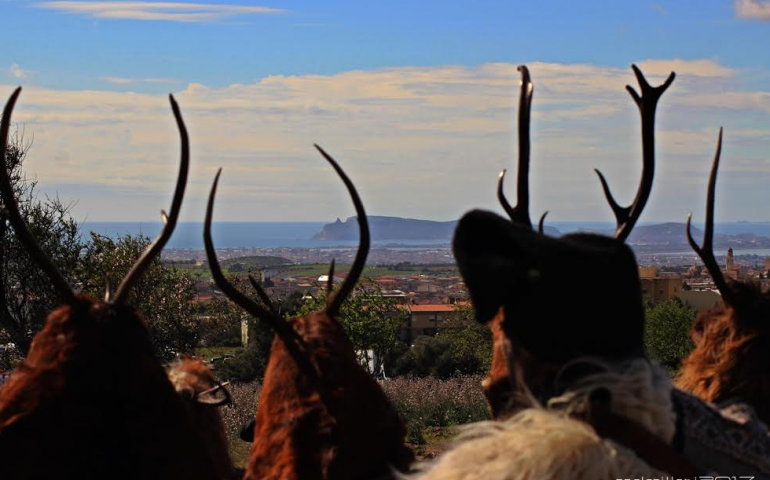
{"type": "Point", "coordinates": [334, 301]}
{"type": "Point", "coordinates": [541, 223]}
{"type": "Point", "coordinates": [261, 293]}
{"type": "Point", "coordinates": [14, 216]}
{"type": "Point", "coordinates": [647, 103]}
{"type": "Point", "coordinates": [520, 214]}
{"type": "Point", "coordinates": [706, 251]}
{"type": "Point", "coordinates": [281, 327]}
{"type": "Point", "coordinates": [169, 221]}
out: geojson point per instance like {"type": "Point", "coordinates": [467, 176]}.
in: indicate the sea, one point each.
{"type": "Point", "coordinates": [189, 235]}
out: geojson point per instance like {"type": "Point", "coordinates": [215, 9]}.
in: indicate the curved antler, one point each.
{"type": "Point", "coordinates": [520, 213]}
{"type": "Point", "coordinates": [169, 221]}
{"type": "Point", "coordinates": [647, 103]}
{"type": "Point", "coordinates": [541, 223]}
{"type": "Point", "coordinates": [706, 251]}
{"type": "Point", "coordinates": [335, 300]}
{"type": "Point", "coordinates": [281, 327]}
{"type": "Point", "coordinates": [20, 227]}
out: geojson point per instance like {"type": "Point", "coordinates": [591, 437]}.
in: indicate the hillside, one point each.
{"type": "Point", "coordinates": [672, 235]}
{"type": "Point", "coordinates": [395, 228]}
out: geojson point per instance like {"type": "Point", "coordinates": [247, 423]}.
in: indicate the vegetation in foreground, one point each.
{"type": "Point", "coordinates": [430, 408]}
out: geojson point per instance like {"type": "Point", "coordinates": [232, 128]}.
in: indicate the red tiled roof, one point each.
{"type": "Point", "coordinates": [433, 307]}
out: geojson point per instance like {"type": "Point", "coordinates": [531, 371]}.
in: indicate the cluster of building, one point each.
{"type": "Point", "coordinates": [428, 299]}
{"type": "Point", "coordinates": [693, 284]}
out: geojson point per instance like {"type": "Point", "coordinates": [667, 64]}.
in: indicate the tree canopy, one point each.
{"type": "Point", "coordinates": [667, 332]}
{"type": "Point", "coordinates": [371, 320]}
{"type": "Point", "coordinates": [26, 293]}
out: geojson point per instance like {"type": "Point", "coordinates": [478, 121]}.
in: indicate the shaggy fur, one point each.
{"type": "Point", "coordinates": [641, 392]}
{"type": "Point", "coordinates": [536, 444]}
{"type": "Point", "coordinates": [731, 360]}
{"type": "Point", "coordinates": [344, 428]}
{"type": "Point", "coordinates": [497, 386]}
{"type": "Point", "coordinates": [91, 401]}
{"type": "Point", "coordinates": [190, 378]}
{"type": "Point", "coordinates": [540, 444]}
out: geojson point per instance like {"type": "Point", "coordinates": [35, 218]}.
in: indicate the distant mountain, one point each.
{"type": "Point", "coordinates": [673, 235]}
{"type": "Point", "coordinates": [395, 228]}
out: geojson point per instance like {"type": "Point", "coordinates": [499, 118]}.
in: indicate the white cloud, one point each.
{"type": "Point", "coordinates": [698, 68]}
{"type": "Point", "coordinates": [418, 141]}
{"type": "Point", "coordinates": [131, 81]}
{"type": "Point", "coordinates": [17, 72]}
{"type": "Point", "coordinates": [753, 9]}
{"type": "Point", "coordinates": [167, 11]}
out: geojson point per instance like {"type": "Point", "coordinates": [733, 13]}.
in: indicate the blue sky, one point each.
{"type": "Point", "coordinates": [417, 100]}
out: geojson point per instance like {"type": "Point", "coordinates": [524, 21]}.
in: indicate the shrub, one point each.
{"type": "Point", "coordinates": [667, 334]}
{"type": "Point", "coordinates": [432, 402]}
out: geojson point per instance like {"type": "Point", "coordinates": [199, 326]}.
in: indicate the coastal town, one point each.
{"type": "Point", "coordinates": [426, 282]}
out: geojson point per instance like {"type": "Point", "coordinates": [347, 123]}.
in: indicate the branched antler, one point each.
{"type": "Point", "coordinates": [334, 301]}
{"type": "Point", "coordinates": [277, 323]}
{"type": "Point", "coordinates": [647, 103]}
{"type": "Point", "coordinates": [706, 251]}
{"type": "Point", "coordinates": [261, 293]}
{"type": "Point", "coordinates": [520, 213]}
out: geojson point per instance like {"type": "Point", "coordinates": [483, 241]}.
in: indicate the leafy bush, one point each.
{"type": "Point", "coordinates": [462, 346]}
{"type": "Point", "coordinates": [246, 366]}
{"type": "Point", "coordinates": [163, 294]}
{"type": "Point", "coordinates": [667, 334]}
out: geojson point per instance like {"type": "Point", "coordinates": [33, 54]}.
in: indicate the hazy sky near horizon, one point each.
{"type": "Point", "coordinates": [416, 100]}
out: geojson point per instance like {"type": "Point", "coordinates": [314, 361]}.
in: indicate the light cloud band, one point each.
{"type": "Point", "coordinates": [425, 142]}
{"type": "Point", "coordinates": [166, 11]}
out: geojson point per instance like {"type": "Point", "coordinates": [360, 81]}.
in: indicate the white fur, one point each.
{"type": "Point", "coordinates": [641, 391]}
{"type": "Point", "coordinates": [546, 444]}
{"type": "Point", "coordinates": [537, 444]}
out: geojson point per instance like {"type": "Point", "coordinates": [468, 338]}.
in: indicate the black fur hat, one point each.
{"type": "Point", "coordinates": [562, 297]}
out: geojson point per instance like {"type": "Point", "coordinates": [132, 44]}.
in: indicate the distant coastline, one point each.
{"type": "Point", "coordinates": [669, 237]}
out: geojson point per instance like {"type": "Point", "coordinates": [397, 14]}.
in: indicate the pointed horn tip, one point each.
{"type": "Point", "coordinates": [11, 103]}
{"type": "Point", "coordinates": [502, 174]}
{"type": "Point", "coordinates": [16, 92]}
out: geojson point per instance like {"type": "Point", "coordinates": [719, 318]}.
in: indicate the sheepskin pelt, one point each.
{"type": "Point", "coordinates": [540, 443]}
{"type": "Point", "coordinates": [536, 444]}
{"type": "Point", "coordinates": [641, 391]}
{"type": "Point", "coordinates": [190, 377]}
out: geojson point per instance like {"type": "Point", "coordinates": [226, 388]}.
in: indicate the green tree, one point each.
{"type": "Point", "coordinates": [667, 333]}
{"type": "Point", "coordinates": [164, 295]}
{"type": "Point", "coordinates": [371, 321]}
{"type": "Point", "coordinates": [224, 316]}
{"type": "Point", "coordinates": [26, 293]}
{"type": "Point", "coordinates": [469, 340]}
{"type": "Point", "coordinates": [462, 346]}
